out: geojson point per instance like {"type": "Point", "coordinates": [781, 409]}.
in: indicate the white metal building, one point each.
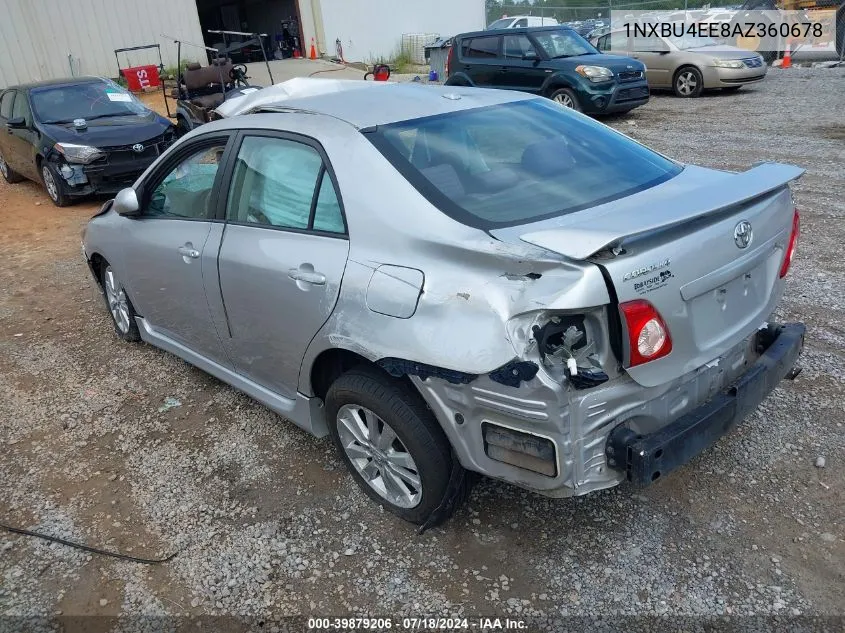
{"type": "Point", "coordinates": [44, 39]}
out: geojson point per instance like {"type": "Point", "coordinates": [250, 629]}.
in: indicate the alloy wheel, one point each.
{"type": "Point", "coordinates": [687, 83]}
{"type": "Point", "coordinates": [50, 183]}
{"type": "Point", "coordinates": [379, 456]}
{"type": "Point", "coordinates": [565, 100]}
{"type": "Point", "coordinates": [118, 304]}
{"type": "Point", "coordinates": [4, 168]}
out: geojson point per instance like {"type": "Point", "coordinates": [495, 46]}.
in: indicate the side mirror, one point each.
{"type": "Point", "coordinates": [126, 202]}
{"type": "Point", "coordinates": [18, 123]}
{"type": "Point", "coordinates": [531, 57]}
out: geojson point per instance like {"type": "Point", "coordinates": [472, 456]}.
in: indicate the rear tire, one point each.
{"type": "Point", "coordinates": [9, 174]}
{"type": "Point", "coordinates": [687, 82]}
{"type": "Point", "coordinates": [384, 425]}
{"type": "Point", "coordinates": [567, 98]}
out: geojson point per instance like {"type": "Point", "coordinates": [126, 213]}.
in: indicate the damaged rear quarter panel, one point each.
{"type": "Point", "coordinates": [474, 285]}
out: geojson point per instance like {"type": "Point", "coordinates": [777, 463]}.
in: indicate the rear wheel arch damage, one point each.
{"type": "Point", "coordinates": [429, 476]}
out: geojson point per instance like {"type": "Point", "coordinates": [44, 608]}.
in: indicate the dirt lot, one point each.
{"type": "Point", "coordinates": [266, 522]}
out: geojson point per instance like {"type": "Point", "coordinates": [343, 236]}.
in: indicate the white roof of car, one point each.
{"type": "Point", "coordinates": [365, 103]}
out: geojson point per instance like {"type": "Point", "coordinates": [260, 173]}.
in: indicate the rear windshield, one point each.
{"type": "Point", "coordinates": [519, 162]}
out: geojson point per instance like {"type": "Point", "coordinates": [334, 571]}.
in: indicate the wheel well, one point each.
{"type": "Point", "coordinates": [329, 365]}
{"type": "Point", "coordinates": [97, 263]}
{"type": "Point", "coordinates": [556, 85]}
{"type": "Point", "coordinates": [684, 67]}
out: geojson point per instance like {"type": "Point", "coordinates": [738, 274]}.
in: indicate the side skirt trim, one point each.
{"type": "Point", "coordinates": [307, 413]}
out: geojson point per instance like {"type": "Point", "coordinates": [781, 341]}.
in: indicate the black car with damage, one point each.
{"type": "Point", "coordinates": [79, 136]}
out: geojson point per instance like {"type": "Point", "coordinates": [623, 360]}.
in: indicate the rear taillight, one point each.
{"type": "Point", "coordinates": [449, 61]}
{"type": "Point", "coordinates": [793, 242]}
{"type": "Point", "coordinates": [648, 336]}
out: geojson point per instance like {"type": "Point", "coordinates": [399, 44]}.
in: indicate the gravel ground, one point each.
{"type": "Point", "coordinates": [267, 523]}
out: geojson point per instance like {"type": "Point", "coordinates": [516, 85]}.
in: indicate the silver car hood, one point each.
{"type": "Point", "coordinates": [692, 193]}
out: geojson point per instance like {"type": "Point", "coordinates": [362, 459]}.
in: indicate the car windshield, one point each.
{"type": "Point", "coordinates": [692, 41]}
{"type": "Point", "coordinates": [501, 24]}
{"type": "Point", "coordinates": [519, 162]}
{"type": "Point", "coordinates": [563, 43]}
{"type": "Point", "coordinates": [91, 100]}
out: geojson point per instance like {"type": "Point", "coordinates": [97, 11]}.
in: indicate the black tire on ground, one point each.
{"type": "Point", "coordinates": [130, 333]}
{"type": "Point", "coordinates": [455, 81]}
{"type": "Point", "coordinates": [9, 174]}
{"type": "Point", "coordinates": [687, 82]}
{"type": "Point", "coordinates": [403, 409]}
{"type": "Point", "coordinates": [567, 98]}
{"type": "Point", "coordinates": [731, 89]}
{"type": "Point", "coordinates": [55, 185]}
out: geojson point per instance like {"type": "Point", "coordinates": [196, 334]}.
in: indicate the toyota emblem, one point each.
{"type": "Point", "coordinates": [743, 234]}
{"type": "Point", "coordinates": [137, 148]}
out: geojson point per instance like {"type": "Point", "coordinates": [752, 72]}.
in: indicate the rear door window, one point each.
{"type": "Point", "coordinates": [518, 46]}
{"type": "Point", "coordinates": [21, 108]}
{"type": "Point", "coordinates": [618, 41]}
{"type": "Point", "coordinates": [6, 104]}
{"type": "Point", "coordinates": [284, 184]}
{"type": "Point", "coordinates": [483, 48]}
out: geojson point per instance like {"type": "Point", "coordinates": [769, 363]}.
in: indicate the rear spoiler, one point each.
{"type": "Point", "coordinates": [585, 233]}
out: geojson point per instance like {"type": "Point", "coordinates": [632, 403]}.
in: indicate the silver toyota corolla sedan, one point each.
{"type": "Point", "coordinates": [452, 281]}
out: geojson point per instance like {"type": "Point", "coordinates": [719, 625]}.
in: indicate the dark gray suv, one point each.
{"type": "Point", "coordinates": [554, 62]}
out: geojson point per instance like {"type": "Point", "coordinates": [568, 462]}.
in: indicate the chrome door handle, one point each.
{"type": "Point", "coordinates": [308, 276]}
{"type": "Point", "coordinates": [188, 251]}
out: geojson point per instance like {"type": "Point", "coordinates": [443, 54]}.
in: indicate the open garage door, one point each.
{"type": "Point", "coordinates": [281, 20]}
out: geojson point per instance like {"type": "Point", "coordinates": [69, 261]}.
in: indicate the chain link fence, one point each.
{"type": "Point", "coordinates": [590, 10]}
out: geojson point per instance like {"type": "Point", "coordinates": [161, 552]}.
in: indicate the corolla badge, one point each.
{"type": "Point", "coordinates": [639, 272]}
{"type": "Point", "coordinates": [743, 234]}
{"type": "Point", "coordinates": [137, 148]}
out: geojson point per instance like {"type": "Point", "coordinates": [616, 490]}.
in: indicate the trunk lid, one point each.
{"type": "Point", "coordinates": [684, 251]}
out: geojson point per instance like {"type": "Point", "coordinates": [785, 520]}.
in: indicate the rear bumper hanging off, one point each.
{"type": "Point", "coordinates": [645, 458]}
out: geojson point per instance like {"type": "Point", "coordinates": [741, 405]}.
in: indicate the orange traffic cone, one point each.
{"type": "Point", "coordinates": [313, 54]}
{"type": "Point", "coordinates": [787, 57]}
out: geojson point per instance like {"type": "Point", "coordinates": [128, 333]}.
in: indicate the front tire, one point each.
{"type": "Point", "coordinates": [391, 443]}
{"type": "Point", "coordinates": [688, 82]}
{"type": "Point", "coordinates": [55, 185]}
{"type": "Point", "coordinates": [120, 308]}
{"type": "Point", "coordinates": [567, 98]}
{"type": "Point", "coordinates": [9, 174]}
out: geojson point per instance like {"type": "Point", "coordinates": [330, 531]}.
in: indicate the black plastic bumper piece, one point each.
{"type": "Point", "coordinates": [646, 458]}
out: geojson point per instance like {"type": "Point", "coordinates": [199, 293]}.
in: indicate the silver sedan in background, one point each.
{"type": "Point", "coordinates": [687, 65]}
{"type": "Point", "coordinates": [458, 280]}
